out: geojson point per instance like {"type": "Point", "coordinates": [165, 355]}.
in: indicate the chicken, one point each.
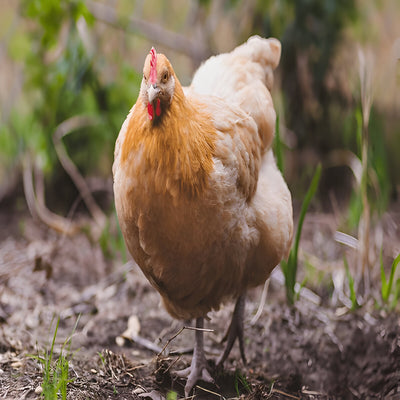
{"type": "Point", "coordinates": [202, 206]}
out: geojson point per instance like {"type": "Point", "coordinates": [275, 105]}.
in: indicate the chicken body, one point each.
{"type": "Point", "coordinates": [203, 209]}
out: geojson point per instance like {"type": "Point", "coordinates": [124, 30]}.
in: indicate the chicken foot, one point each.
{"type": "Point", "coordinates": [198, 368]}
{"type": "Point", "coordinates": [235, 330]}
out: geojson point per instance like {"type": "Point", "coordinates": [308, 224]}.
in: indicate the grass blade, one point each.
{"type": "Point", "coordinates": [304, 208]}
{"type": "Point", "coordinates": [56, 372]}
{"type": "Point", "coordinates": [384, 282]}
{"type": "Point", "coordinates": [49, 380]}
{"type": "Point", "coordinates": [387, 286]}
{"type": "Point", "coordinates": [353, 296]}
{"type": "Point", "coordinates": [289, 268]}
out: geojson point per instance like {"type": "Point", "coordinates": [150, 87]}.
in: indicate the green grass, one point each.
{"type": "Point", "coordinates": [241, 382]}
{"type": "Point", "coordinates": [350, 280]}
{"type": "Point", "coordinates": [387, 287]}
{"type": "Point", "coordinates": [289, 267]}
{"type": "Point", "coordinates": [55, 371]}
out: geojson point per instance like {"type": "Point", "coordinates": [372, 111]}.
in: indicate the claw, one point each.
{"type": "Point", "coordinates": [235, 330]}
{"type": "Point", "coordinates": [198, 368]}
{"type": "Point", "coordinates": [194, 374]}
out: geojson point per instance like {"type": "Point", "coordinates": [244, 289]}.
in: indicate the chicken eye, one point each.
{"type": "Point", "coordinates": [165, 77]}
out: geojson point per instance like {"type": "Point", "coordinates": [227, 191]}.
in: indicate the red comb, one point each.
{"type": "Point", "coordinates": [153, 66]}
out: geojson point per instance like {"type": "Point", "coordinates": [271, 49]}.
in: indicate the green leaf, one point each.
{"type": "Point", "coordinates": [353, 296]}
{"type": "Point", "coordinates": [241, 379]}
{"type": "Point", "coordinates": [386, 290]}
{"type": "Point", "coordinates": [81, 10]}
{"type": "Point", "coordinates": [384, 283]}
{"type": "Point", "coordinates": [396, 294]}
{"type": "Point", "coordinates": [289, 268]}
{"type": "Point", "coordinates": [307, 200]}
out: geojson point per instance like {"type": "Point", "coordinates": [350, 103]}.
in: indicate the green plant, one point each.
{"type": "Point", "coordinates": [350, 280]}
{"type": "Point", "coordinates": [171, 395]}
{"type": "Point", "coordinates": [102, 359]}
{"type": "Point", "coordinates": [387, 287]}
{"type": "Point", "coordinates": [241, 380]}
{"type": "Point", "coordinates": [64, 78]}
{"type": "Point", "coordinates": [278, 146]}
{"type": "Point", "coordinates": [372, 192]}
{"type": "Point", "coordinates": [289, 267]}
{"type": "Point", "coordinates": [55, 373]}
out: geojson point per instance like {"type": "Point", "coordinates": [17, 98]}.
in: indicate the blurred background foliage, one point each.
{"type": "Point", "coordinates": [66, 58]}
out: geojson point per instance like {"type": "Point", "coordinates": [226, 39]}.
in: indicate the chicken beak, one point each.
{"type": "Point", "coordinates": [152, 92]}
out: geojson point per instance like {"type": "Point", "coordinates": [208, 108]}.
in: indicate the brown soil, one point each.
{"type": "Point", "coordinates": [308, 351]}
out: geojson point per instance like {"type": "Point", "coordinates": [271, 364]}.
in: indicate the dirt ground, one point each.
{"type": "Point", "coordinates": [314, 350]}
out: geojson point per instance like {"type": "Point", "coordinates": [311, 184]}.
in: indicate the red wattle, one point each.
{"type": "Point", "coordinates": [158, 108]}
{"type": "Point", "coordinates": [150, 111]}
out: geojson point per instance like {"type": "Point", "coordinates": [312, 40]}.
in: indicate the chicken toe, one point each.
{"type": "Point", "coordinates": [198, 369]}
{"type": "Point", "coordinates": [235, 330]}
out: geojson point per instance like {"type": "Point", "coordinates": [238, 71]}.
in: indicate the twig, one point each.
{"type": "Point", "coordinates": [66, 127]}
{"type": "Point", "coordinates": [311, 392]}
{"type": "Point", "coordinates": [193, 328]}
{"type": "Point", "coordinates": [134, 368]}
{"type": "Point", "coordinates": [178, 333]}
{"type": "Point", "coordinates": [210, 391]}
{"type": "Point", "coordinates": [195, 48]}
{"type": "Point", "coordinates": [37, 207]}
{"type": "Point", "coordinates": [284, 394]}
{"type": "Point", "coordinates": [173, 363]}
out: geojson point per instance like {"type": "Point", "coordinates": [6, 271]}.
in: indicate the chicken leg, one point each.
{"type": "Point", "coordinates": [198, 368]}
{"type": "Point", "coordinates": [235, 330]}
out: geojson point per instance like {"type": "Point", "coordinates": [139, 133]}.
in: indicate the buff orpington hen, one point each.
{"type": "Point", "coordinates": [202, 206]}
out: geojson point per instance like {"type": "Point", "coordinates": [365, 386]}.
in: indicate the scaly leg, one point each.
{"type": "Point", "coordinates": [198, 368]}
{"type": "Point", "coordinates": [235, 330]}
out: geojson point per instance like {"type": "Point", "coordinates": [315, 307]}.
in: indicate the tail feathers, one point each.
{"type": "Point", "coordinates": [237, 78]}
{"type": "Point", "coordinates": [266, 52]}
